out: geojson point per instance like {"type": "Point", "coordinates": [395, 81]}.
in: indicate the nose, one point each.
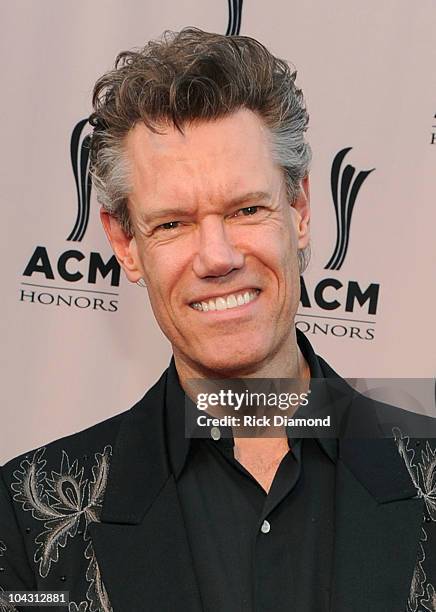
{"type": "Point", "coordinates": [216, 255]}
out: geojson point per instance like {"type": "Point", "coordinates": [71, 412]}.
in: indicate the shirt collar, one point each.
{"type": "Point", "coordinates": [178, 444]}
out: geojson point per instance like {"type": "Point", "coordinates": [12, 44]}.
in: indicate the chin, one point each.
{"type": "Point", "coordinates": [233, 362]}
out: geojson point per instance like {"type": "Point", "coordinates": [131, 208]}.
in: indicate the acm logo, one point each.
{"type": "Point", "coordinates": [74, 265]}
{"type": "Point", "coordinates": [345, 186]}
{"type": "Point", "coordinates": [344, 298]}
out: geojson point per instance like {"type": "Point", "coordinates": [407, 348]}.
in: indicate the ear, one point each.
{"type": "Point", "coordinates": [123, 246]}
{"type": "Point", "coordinates": [302, 214]}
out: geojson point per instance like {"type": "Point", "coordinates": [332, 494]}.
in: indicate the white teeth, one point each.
{"type": "Point", "coordinates": [221, 303]}
{"type": "Point", "coordinates": [231, 301]}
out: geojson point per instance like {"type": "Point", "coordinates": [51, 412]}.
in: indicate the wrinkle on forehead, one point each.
{"type": "Point", "coordinates": [209, 161]}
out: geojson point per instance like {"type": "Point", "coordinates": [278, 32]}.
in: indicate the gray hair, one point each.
{"type": "Point", "coordinates": [192, 76]}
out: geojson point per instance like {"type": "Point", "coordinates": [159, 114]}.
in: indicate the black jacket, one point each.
{"type": "Point", "coordinates": [97, 514]}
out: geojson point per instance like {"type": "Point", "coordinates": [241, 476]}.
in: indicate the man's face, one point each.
{"type": "Point", "coordinates": [215, 240]}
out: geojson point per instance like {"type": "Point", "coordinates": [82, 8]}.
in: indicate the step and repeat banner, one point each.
{"type": "Point", "coordinates": [79, 342]}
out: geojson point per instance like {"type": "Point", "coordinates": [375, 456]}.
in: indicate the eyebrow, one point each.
{"type": "Point", "coordinates": [174, 211]}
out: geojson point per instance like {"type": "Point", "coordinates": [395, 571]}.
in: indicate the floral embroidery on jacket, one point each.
{"type": "Point", "coordinates": [5, 606]}
{"type": "Point", "coordinates": [422, 597]}
{"type": "Point", "coordinates": [63, 501]}
{"type": "Point", "coordinates": [82, 607]}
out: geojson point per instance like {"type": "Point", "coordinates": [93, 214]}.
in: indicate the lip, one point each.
{"type": "Point", "coordinates": [205, 297]}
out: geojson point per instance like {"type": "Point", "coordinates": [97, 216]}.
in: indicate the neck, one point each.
{"type": "Point", "coordinates": [261, 456]}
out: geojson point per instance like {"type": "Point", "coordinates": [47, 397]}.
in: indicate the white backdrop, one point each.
{"type": "Point", "coordinates": [367, 70]}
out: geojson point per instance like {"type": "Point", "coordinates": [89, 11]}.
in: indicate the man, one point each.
{"type": "Point", "coordinates": [201, 166]}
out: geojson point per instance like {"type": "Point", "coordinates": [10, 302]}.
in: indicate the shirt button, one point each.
{"type": "Point", "coordinates": [265, 527]}
{"type": "Point", "coordinates": [215, 433]}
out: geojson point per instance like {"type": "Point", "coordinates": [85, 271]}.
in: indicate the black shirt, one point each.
{"type": "Point", "coordinates": [254, 551]}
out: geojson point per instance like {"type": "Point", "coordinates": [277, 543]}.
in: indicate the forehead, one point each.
{"type": "Point", "coordinates": [204, 163]}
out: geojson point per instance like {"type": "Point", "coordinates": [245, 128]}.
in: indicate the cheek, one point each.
{"type": "Point", "coordinates": [279, 255]}
{"type": "Point", "coordinates": [164, 267]}
{"type": "Point", "coordinates": [288, 250]}
{"type": "Point", "coordinates": [276, 247]}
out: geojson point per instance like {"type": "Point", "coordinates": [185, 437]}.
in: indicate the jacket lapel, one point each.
{"type": "Point", "coordinates": [141, 544]}
{"type": "Point", "coordinates": [378, 527]}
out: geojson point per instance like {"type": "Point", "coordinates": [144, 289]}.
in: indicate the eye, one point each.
{"type": "Point", "coordinates": [249, 210]}
{"type": "Point", "coordinates": [169, 225]}
{"type": "Point", "coordinates": [246, 211]}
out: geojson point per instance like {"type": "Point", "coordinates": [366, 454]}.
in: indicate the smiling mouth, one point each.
{"type": "Point", "coordinates": [226, 302]}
